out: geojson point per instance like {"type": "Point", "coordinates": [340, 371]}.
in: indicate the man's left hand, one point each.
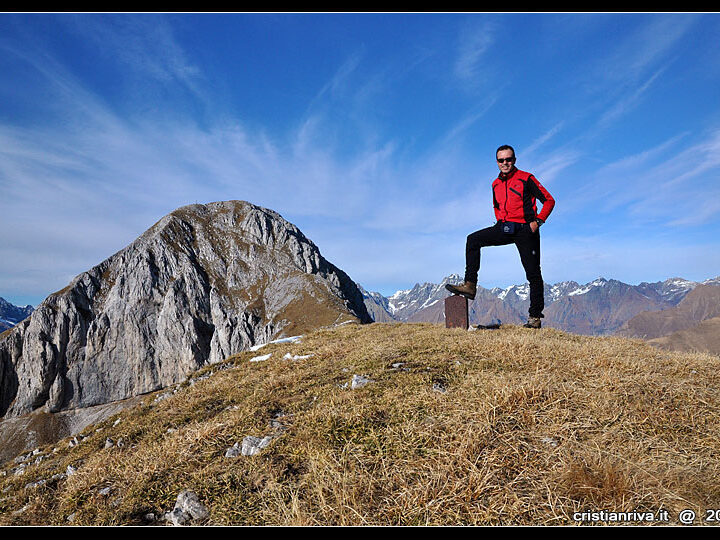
{"type": "Point", "coordinates": [534, 226]}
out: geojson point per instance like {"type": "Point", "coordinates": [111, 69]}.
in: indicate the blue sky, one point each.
{"type": "Point", "coordinates": [374, 133]}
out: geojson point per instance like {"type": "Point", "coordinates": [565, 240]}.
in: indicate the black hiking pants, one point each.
{"type": "Point", "coordinates": [528, 246]}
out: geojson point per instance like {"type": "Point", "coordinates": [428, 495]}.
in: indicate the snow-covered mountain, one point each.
{"type": "Point", "coordinates": [377, 305]}
{"type": "Point", "coordinates": [601, 306]}
{"type": "Point", "coordinates": [11, 314]}
{"type": "Point", "coordinates": [404, 304]}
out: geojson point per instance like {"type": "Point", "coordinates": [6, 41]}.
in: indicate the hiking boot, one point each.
{"type": "Point", "coordinates": [467, 289]}
{"type": "Point", "coordinates": [533, 322]}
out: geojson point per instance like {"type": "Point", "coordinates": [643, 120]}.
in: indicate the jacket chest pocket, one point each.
{"type": "Point", "coordinates": [515, 190]}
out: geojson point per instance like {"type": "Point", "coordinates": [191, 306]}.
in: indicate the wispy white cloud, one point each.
{"type": "Point", "coordinates": [474, 41]}
{"type": "Point", "coordinates": [470, 119]}
{"type": "Point", "coordinates": [652, 44]}
{"type": "Point", "coordinates": [628, 57]}
{"type": "Point", "coordinates": [557, 161]}
{"type": "Point", "coordinates": [544, 138]}
{"type": "Point", "coordinates": [620, 79]}
{"type": "Point", "coordinates": [145, 44]}
{"type": "Point", "coordinates": [340, 80]}
{"type": "Point", "coordinates": [625, 103]}
{"type": "Point", "coordinates": [669, 186]}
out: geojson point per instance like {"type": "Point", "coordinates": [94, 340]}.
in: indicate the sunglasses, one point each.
{"type": "Point", "coordinates": [506, 160]}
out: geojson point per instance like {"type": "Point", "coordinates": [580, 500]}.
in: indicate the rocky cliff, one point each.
{"type": "Point", "coordinates": [205, 282]}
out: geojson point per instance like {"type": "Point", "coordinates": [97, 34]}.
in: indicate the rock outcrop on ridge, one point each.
{"type": "Point", "coordinates": [203, 283]}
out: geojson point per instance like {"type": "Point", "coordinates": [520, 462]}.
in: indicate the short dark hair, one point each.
{"type": "Point", "coordinates": [505, 147]}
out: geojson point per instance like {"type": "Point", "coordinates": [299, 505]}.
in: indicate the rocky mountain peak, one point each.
{"type": "Point", "coordinates": [203, 283]}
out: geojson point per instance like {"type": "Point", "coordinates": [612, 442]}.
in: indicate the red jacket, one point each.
{"type": "Point", "coordinates": [515, 195]}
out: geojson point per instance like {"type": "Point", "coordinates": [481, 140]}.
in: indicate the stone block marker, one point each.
{"type": "Point", "coordinates": [456, 312]}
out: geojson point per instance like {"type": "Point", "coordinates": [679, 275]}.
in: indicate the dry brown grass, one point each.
{"type": "Point", "coordinates": [532, 426]}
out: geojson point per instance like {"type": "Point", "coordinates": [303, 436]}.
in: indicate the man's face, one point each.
{"type": "Point", "coordinates": [505, 160]}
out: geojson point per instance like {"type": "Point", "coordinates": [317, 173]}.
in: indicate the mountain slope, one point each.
{"type": "Point", "coordinates": [205, 282]}
{"type": "Point", "coordinates": [702, 303]}
{"type": "Point", "coordinates": [702, 337]}
{"type": "Point", "coordinates": [441, 427]}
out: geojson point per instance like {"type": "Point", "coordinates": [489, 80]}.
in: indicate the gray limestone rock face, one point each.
{"type": "Point", "coordinates": [205, 282]}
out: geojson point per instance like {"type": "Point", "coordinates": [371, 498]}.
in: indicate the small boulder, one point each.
{"type": "Point", "coordinates": [253, 445]}
{"type": "Point", "coordinates": [358, 381]}
{"type": "Point", "coordinates": [188, 509]}
{"type": "Point", "coordinates": [233, 451]}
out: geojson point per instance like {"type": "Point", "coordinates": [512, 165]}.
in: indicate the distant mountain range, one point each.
{"type": "Point", "coordinates": [11, 314]}
{"type": "Point", "coordinates": [601, 307]}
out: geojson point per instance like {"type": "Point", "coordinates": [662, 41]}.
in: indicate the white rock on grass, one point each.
{"type": "Point", "coordinates": [550, 441]}
{"type": "Point", "coordinates": [161, 397]}
{"type": "Point", "coordinates": [260, 358]}
{"type": "Point", "coordinates": [233, 451]}
{"type": "Point", "coordinates": [26, 457]}
{"type": "Point", "coordinates": [250, 446]}
{"type": "Point", "coordinates": [75, 441]}
{"type": "Point", "coordinates": [110, 443]}
{"type": "Point", "coordinates": [280, 422]}
{"type": "Point", "coordinates": [253, 445]}
{"type": "Point", "coordinates": [439, 387]}
{"type": "Point", "coordinates": [358, 381]}
{"type": "Point", "coordinates": [43, 481]}
{"type": "Point", "coordinates": [39, 483]}
{"type": "Point", "coordinates": [295, 357]}
{"type": "Point", "coordinates": [188, 509]}
{"type": "Point", "coordinates": [292, 339]}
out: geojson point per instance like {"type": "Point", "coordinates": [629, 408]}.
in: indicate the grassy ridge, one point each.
{"type": "Point", "coordinates": [510, 426]}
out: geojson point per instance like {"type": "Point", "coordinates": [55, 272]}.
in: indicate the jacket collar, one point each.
{"type": "Point", "coordinates": [503, 176]}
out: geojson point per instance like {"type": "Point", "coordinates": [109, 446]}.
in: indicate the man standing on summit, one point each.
{"type": "Point", "coordinates": [515, 193]}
